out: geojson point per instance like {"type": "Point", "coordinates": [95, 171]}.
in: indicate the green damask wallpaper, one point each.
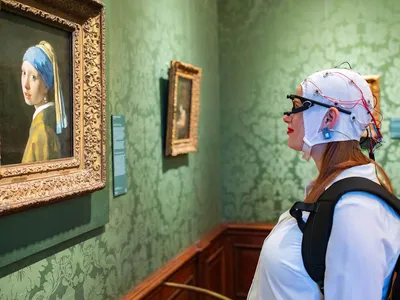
{"type": "Point", "coordinates": [267, 47]}
{"type": "Point", "coordinates": [170, 202]}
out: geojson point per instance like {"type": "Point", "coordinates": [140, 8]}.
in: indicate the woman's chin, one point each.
{"type": "Point", "coordinates": [294, 146]}
{"type": "Point", "coordinates": [28, 102]}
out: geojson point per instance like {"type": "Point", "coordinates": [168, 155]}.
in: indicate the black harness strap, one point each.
{"type": "Point", "coordinates": [396, 283]}
{"type": "Point", "coordinates": [317, 229]}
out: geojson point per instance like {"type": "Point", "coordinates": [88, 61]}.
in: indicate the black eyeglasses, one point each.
{"type": "Point", "coordinates": [307, 103]}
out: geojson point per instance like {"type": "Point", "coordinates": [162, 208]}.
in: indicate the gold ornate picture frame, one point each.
{"type": "Point", "coordinates": [374, 84]}
{"type": "Point", "coordinates": [183, 108]}
{"type": "Point", "coordinates": [83, 168]}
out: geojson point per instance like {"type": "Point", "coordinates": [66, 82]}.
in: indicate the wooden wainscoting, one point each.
{"type": "Point", "coordinates": [245, 243]}
{"type": "Point", "coordinates": [223, 261]}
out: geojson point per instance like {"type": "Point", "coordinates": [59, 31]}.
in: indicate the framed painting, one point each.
{"type": "Point", "coordinates": [374, 84]}
{"type": "Point", "coordinates": [183, 108]}
{"type": "Point", "coordinates": [52, 98]}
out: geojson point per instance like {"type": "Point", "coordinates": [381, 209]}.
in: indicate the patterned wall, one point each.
{"type": "Point", "coordinates": [170, 202]}
{"type": "Point", "coordinates": [266, 48]}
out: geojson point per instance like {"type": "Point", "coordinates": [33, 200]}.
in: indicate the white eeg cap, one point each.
{"type": "Point", "coordinates": [337, 87]}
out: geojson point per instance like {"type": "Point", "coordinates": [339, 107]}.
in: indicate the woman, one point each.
{"type": "Point", "coordinates": [39, 75]}
{"type": "Point", "coordinates": [181, 126]}
{"type": "Point", "coordinates": [331, 110]}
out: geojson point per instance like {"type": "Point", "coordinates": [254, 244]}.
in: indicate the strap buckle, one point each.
{"type": "Point", "coordinates": [297, 212]}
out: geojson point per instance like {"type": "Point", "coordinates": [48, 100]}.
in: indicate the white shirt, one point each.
{"type": "Point", "coordinates": [362, 251]}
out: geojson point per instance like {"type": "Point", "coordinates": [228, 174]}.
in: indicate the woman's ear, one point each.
{"type": "Point", "coordinates": [330, 119]}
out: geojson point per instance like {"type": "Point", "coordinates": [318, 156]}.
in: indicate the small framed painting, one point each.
{"type": "Point", "coordinates": [183, 108]}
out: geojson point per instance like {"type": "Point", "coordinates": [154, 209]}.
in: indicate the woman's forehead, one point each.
{"type": "Point", "coordinates": [27, 66]}
{"type": "Point", "coordinates": [299, 90]}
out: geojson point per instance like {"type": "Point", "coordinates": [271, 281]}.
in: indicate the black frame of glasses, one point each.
{"type": "Point", "coordinates": [307, 103]}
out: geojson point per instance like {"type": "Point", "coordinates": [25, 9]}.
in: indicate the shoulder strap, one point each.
{"type": "Point", "coordinates": [317, 229]}
{"type": "Point", "coordinates": [351, 184]}
{"type": "Point", "coordinates": [396, 283]}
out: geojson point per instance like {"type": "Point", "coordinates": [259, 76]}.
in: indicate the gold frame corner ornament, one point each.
{"type": "Point", "coordinates": [176, 146]}
{"type": "Point", "coordinates": [26, 185]}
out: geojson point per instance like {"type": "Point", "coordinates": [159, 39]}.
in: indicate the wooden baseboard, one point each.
{"type": "Point", "coordinates": [221, 240]}
{"type": "Point", "coordinates": [260, 227]}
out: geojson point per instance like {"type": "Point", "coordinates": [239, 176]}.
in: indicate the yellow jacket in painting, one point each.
{"type": "Point", "coordinates": [43, 143]}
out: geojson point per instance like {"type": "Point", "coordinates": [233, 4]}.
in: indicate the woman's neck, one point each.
{"type": "Point", "coordinates": [40, 104]}
{"type": "Point", "coordinates": [41, 108]}
{"type": "Point", "coordinates": [317, 154]}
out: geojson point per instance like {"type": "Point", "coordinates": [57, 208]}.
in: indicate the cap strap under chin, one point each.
{"type": "Point", "coordinates": [306, 149]}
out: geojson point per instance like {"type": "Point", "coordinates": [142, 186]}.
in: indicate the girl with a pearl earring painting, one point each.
{"type": "Point", "coordinates": [40, 80]}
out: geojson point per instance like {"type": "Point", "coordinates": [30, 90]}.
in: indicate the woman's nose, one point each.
{"type": "Point", "coordinates": [286, 119]}
{"type": "Point", "coordinates": [26, 83]}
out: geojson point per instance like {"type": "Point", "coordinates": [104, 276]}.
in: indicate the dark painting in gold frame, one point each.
{"type": "Point", "coordinates": [374, 84]}
{"type": "Point", "coordinates": [183, 108]}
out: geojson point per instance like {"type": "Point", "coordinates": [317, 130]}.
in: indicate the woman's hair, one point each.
{"type": "Point", "coordinates": [338, 157]}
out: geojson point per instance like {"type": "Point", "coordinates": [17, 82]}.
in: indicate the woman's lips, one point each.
{"type": "Point", "coordinates": [289, 130]}
{"type": "Point", "coordinates": [27, 95]}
